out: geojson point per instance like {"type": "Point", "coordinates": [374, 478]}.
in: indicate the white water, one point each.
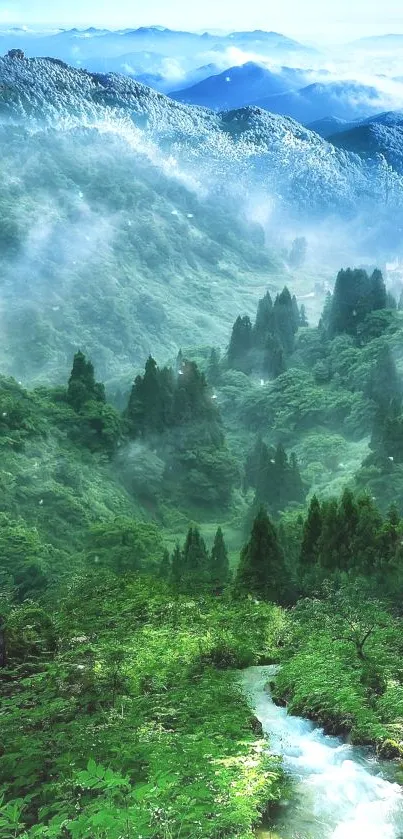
{"type": "Point", "coordinates": [339, 789]}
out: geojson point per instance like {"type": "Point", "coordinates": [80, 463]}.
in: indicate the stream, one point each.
{"type": "Point", "coordinates": [340, 791]}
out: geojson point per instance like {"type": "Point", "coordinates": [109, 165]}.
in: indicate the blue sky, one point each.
{"type": "Point", "coordinates": [303, 18]}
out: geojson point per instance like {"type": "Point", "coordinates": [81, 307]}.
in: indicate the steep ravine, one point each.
{"type": "Point", "coordinates": [340, 791]}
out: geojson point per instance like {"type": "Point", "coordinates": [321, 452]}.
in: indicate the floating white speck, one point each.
{"type": "Point", "coordinates": [4, 414]}
{"type": "Point", "coordinates": [190, 215]}
{"type": "Point", "coordinates": [180, 373]}
{"type": "Point", "coordinates": [214, 396]}
{"type": "Point", "coordinates": [55, 308]}
{"type": "Point", "coordinates": [228, 78]}
{"type": "Point", "coordinates": [261, 382]}
{"type": "Point", "coordinates": [81, 194]}
{"type": "Point", "coordinates": [174, 213]}
{"type": "Point", "coordinates": [391, 458]}
{"type": "Point", "coordinates": [41, 502]}
{"type": "Point", "coordinates": [272, 461]}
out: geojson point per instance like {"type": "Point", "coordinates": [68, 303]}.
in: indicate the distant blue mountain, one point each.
{"type": "Point", "coordinates": [346, 100]}
{"type": "Point", "coordinates": [329, 126]}
{"type": "Point", "coordinates": [380, 135]}
{"type": "Point", "coordinates": [239, 86]}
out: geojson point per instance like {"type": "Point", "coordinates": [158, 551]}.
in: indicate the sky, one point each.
{"type": "Point", "coordinates": [308, 19]}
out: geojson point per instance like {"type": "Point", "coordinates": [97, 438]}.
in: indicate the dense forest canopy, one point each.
{"type": "Point", "coordinates": [238, 505]}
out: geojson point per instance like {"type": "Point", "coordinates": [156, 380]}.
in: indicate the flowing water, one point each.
{"type": "Point", "coordinates": [341, 791]}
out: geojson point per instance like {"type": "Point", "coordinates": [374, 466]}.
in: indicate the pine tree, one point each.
{"type": "Point", "coordinates": [239, 350]}
{"type": "Point", "coordinates": [219, 566]}
{"type": "Point", "coordinates": [196, 562]}
{"type": "Point", "coordinates": [329, 541]}
{"type": "Point", "coordinates": [324, 322]}
{"type": "Point", "coordinates": [214, 367]}
{"type": "Point", "coordinates": [303, 320]}
{"type": "Point", "coordinates": [165, 566]}
{"type": "Point", "coordinates": [355, 296]}
{"type": "Point", "coordinates": [261, 570]}
{"type": "Point", "coordinates": [145, 412]}
{"type": "Point", "coordinates": [274, 363]}
{"type": "Point", "coordinates": [176, 566]}
{"type": "Point", "coordinates": [296, 490]}
{"type": "Point", "coordinates": [82, 387]}
{"type": "Point", "coordinates": [263, 326]}
{"type": "Point", "coordinates": [311, 535]}
{"type": "Point", "coordinates": [284, 321]}
{"type": "Point", "coordinates": [296, 315]}
{"type": "Point", "coordinates": [378, 291]}
{"type": "Point", "coordinates": [384, 385]}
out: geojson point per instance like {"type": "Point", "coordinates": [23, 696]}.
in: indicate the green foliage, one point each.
{"type": "Point", "coordinates": [342, 664]}
{"type": "Point", "coordinates": [123, 544]}
{"type": "Point", "coordinates": [355, 296]}
{"type": "Point", "coordinates": [261, 571]}
{"type": "Point", "coordinates": [131, 726]}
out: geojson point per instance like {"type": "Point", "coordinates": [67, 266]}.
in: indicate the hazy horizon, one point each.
{"type": "Point", "coordinates": [310, 23]}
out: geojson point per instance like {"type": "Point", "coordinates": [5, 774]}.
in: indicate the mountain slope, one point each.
{"type": "Point", "coordinates": [381, 136]}
{"type": "Point", "coordinates": [123, 215]}
{"type": "Point", "coordinates": [343, 100]}
{"type": "Point", "coordinates": [238, 86]}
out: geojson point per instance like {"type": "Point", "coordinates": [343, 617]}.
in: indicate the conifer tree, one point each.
{"type": "Point", "coordinates": [219, 567]}
{"type": "Point", "coordinates": [176, 566]}
{"type": "Point", "coordinates": [263, 326]}
{"type": "Point", "coordinates": [82, 387]}
{"type": "Point", "coordinates": [284, 320]}
{"type": "Point", "coordinates": [261, 569]}
{"type": "Point", "coordinates": [296, 314]}
{"type": "Point", "coordinates": [239, 350]}
{"type": "Point", "coordinates": [378, 291]}
{"type": "Point", "coordinates": [274, 363]}
{"type": "Point", "coordinates": [296, 489]}
{"type": "Point", "coordinates": [214, 367]}
{"type": "Point", "coordinates": [196, 562]}
{"type": "Point", "coordinates": [311, 535]}
{"type": "Point", "coordinates": [165, 566]}
{"type": "Point", "coordinates": [303, 320]}
{"type": "Point", "coordinates": [384, 385]}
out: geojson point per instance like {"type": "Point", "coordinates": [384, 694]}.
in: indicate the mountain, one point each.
{"type": "Point", "coordinates": [238, 86]}
{"type": "Point", "coordinates": [329, 126]}
{"type": "Point", "coordinates": [382, 135]}
{"type": "Point", "coordinates": [379, 42]}
{"type": "Point", "coordinates": [345, 100]}
{"type": "Point", "coordinates": [272, 40]}
{"type": "Point", "coordinates": [125, 216]}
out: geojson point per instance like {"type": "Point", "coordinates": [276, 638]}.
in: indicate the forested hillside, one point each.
{"type": "Point", "coordinates": [237, 505]}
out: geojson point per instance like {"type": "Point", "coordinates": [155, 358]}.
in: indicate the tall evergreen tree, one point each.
{"type": "Point", "coordinates": [311, 535]}
{"type": "Point", "coordinates": [240, 347]}
{"type": "Point", "coordinates": [303, 320]}
{"type": "Point", "coordinates": [274, 363]}
{"type": "Point", "coordinates": [176, 566]}
{"type": "Point", "coordinates": [263, 326]}
{"type": "Point", "coordinates": [82, 387]}
{"type": "Point", "coordinates": [284, 320]}
{"type": "Point", "coordinates": [261, 571]}
{"type": "Point", "coordinates": [196, 562]}
{"type": "Point", "coordinates": [378, 291]}
{"type": "Point", "coordinates": [355, 296]}
{"type": "Point", "coordinates": [384, 386]}
{"type": "Point", "coordinates": [219, 566]}
{"type": "Point", "coordinates": [214, 367]}
{"type": "Point", "coordinates": [164, 571]}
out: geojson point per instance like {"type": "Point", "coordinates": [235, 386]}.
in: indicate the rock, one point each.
{"type": "Point", "coordinates": [389, 750]}
{"type": "Point", "coordinates": [256, 726]}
